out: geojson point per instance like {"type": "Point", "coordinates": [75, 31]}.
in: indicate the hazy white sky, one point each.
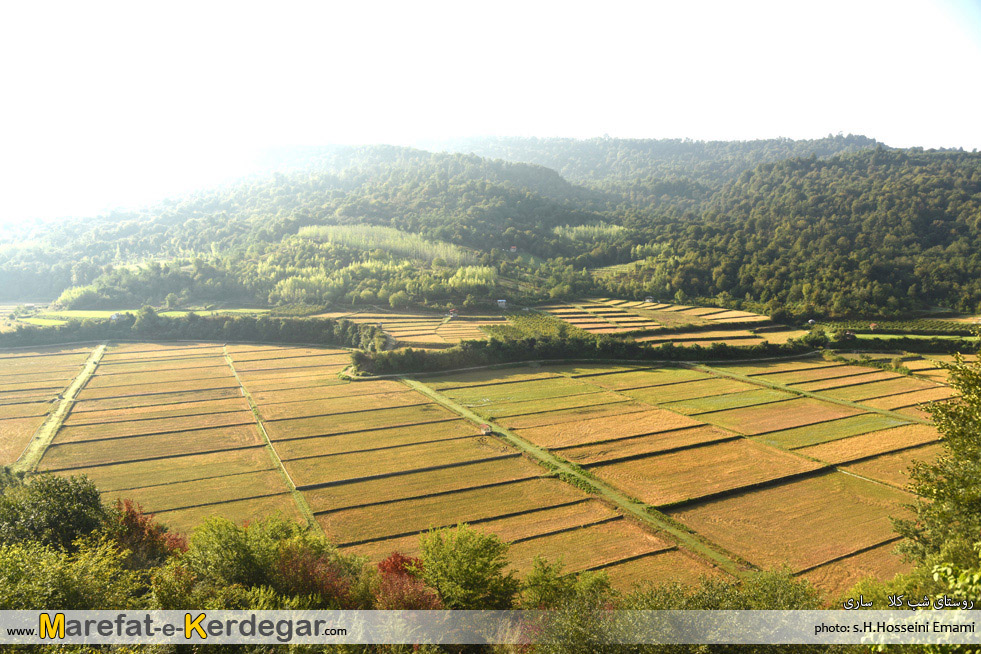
{"type": "Point", "coordinates": [116, 103]}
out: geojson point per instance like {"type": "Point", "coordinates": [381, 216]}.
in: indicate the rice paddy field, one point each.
{"type": "Point", "coordinates": [770, 463]}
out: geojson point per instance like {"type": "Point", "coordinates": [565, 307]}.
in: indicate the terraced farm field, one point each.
{"type": "Point", "coordinates": [422, 330]}
{"type": "Point", "coordinates": [796, 462]}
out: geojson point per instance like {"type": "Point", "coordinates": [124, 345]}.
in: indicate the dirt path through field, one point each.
{"type": "Point", "coordinates": [298, 498]}
{"type": "Point", "coordinates": [31, 456]}
{"type": "Point", "coordinates": [582, 479]}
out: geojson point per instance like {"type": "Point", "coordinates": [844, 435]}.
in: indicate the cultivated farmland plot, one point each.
{"type": "Point", "coordinates": [745, 455]}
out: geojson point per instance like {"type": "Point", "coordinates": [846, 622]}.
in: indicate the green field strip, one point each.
{"type": "Point", "coordinates": [641, 511]}
{"type": "Point", "coordinates": [816, 396]}
{"type": "Point", "coordinates": [297, 496]}
{"type": "Point", "coordinates": [842, 557]}
{"type": "Point", "coordinates": [45, 435]}
{"type": "Point", "coordinates": [808, 435]}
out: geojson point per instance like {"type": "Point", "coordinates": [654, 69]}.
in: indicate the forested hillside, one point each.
{"type": "Point", "coordinates": [840, 226]}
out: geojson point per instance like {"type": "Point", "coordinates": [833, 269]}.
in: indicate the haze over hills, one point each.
{"type": "Point", "coordinates": [840, 226]}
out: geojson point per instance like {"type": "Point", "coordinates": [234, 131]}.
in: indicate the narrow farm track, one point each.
{"type": "Point", "coordinates": [31, 456]}
{"type": "Point", "coordinates": [298, 498]}
{"type": "Point", "coordinates": [642, 512]}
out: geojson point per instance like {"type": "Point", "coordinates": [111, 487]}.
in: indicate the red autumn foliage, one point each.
{"type": "Point", "coordinates": [148, 541]}
{"type": "Point", "coordinates": [400, 588]}
{"type": "Point", "coordinates": [300, 571]}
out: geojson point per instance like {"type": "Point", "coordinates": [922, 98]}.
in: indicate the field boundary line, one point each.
{"type": "Point", "coordinates": [824, 469]}
{"type": "Point", "coordinates": [633, 557]}
{"type": "Point", "coordinates": [513, 514]}
{"type": "Point", "coordinates": [424, 496]}
{"type": "Point", "coordinates": [842, 557]}
{"type": "Point", "coordinates": [401, 473]}
{"type": "Point", "coordinates": [297, 496]}
{"type": "Point", "coordinates": [646, 455]}
{"type": "Point", "coordinates": [187, 415]}
{"type": "Point", "coordinates": [148, 458]}
{"type": "Point", "coordinates": [154, 433]}
{"type": "Point", "coordinates": [643, 512]}
{"type": "Point", "coordinates": [45, 434]}
{"type": "Point", "coordinates": [186, 481]}
{"type": "Point", "coordinates": [811, 394]}
{"type": "Point", "coordinates": [374, 449]}
{"type": "Point", "coordinates": [219, 502]}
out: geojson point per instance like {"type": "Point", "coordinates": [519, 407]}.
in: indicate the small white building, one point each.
{"type": "Point", "coordinates": [502, 304]}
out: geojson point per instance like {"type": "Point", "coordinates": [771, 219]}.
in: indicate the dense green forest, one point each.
{"type": "Point", "coordinates": [836, 227]}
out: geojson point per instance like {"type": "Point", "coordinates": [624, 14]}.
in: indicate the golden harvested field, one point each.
{"type": "Point", "coordinates": [778, 415]}
{"type": "Point", "coordinates": [606, 428]}
{"type": "Point", "coordinates": [870, 444]}
{"type": "Point", "coordinates": [377, 439]}
{"type": "Point", "coordinates": [701, 471]}
{"type": "Point", "coordinates": [62, 456]}
{"type": "Point", "coordinates": [347, 404]}
{"type": "Point", "coordinates": [773, 367]}
{"type": "Point", "coordinates": [153, 389]}
{"type": "Point", "coordinates": [624, 448]}
{"type": "Point", "coordinates": [738, 400]}
{"type": "Point", "coordinates": [174, 410]}
{"type": "Point", "coordinates": [661, 567]}
{"type": "Point", "coordinates": [15, 434]}
{"type": "Point", "coordinates": [239, 511]}
{"type": "Point", "coordinates": [573, 415]}
{"type": "Point", "coordinates": [342, 389]}
{"type": "Point", "coordinates": [880, 389]}
{"type": "Point", "coordinates": [364, 465]}
{"type": "Point", "coordinates": [406, 517]}
{"type": "Point", "coordinates": [123, 476]}
{"type": "Point", "coordinates": [892, 468]}
{"type": "Point", "coordinates": [101, 380]}
{"type": "Point", "coordinates": [198, 492]}
{"type": "Point", "coordinates": [816, 374]}
{"type": "Point", "coordinates": [801, 523]}
{"type": "Point", "coordinates": [423, 329]}
{"type": "Point", "coordinates": [155, 399]}
{"type": "Point", "coordinates": [911, 399]}
{"type": "Point", "coordinates": [588, 548]}
{"type": "Point", "coordinates": [835, 578]}
{"type": "Point", "coordinates": [24, 410]}
{"type": "Point", "coordinates": [421, 484]}
{"type": "Point", "coordinates": [831, 430]}
{"type": "Point", "coordinates": [129, 428]}
{"type": "Point", "coordinates": [514, 528]}
{"type": "Point", "coordinates": [360, 421]}
{"type": "Point", "coordinates": [850, 380]}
